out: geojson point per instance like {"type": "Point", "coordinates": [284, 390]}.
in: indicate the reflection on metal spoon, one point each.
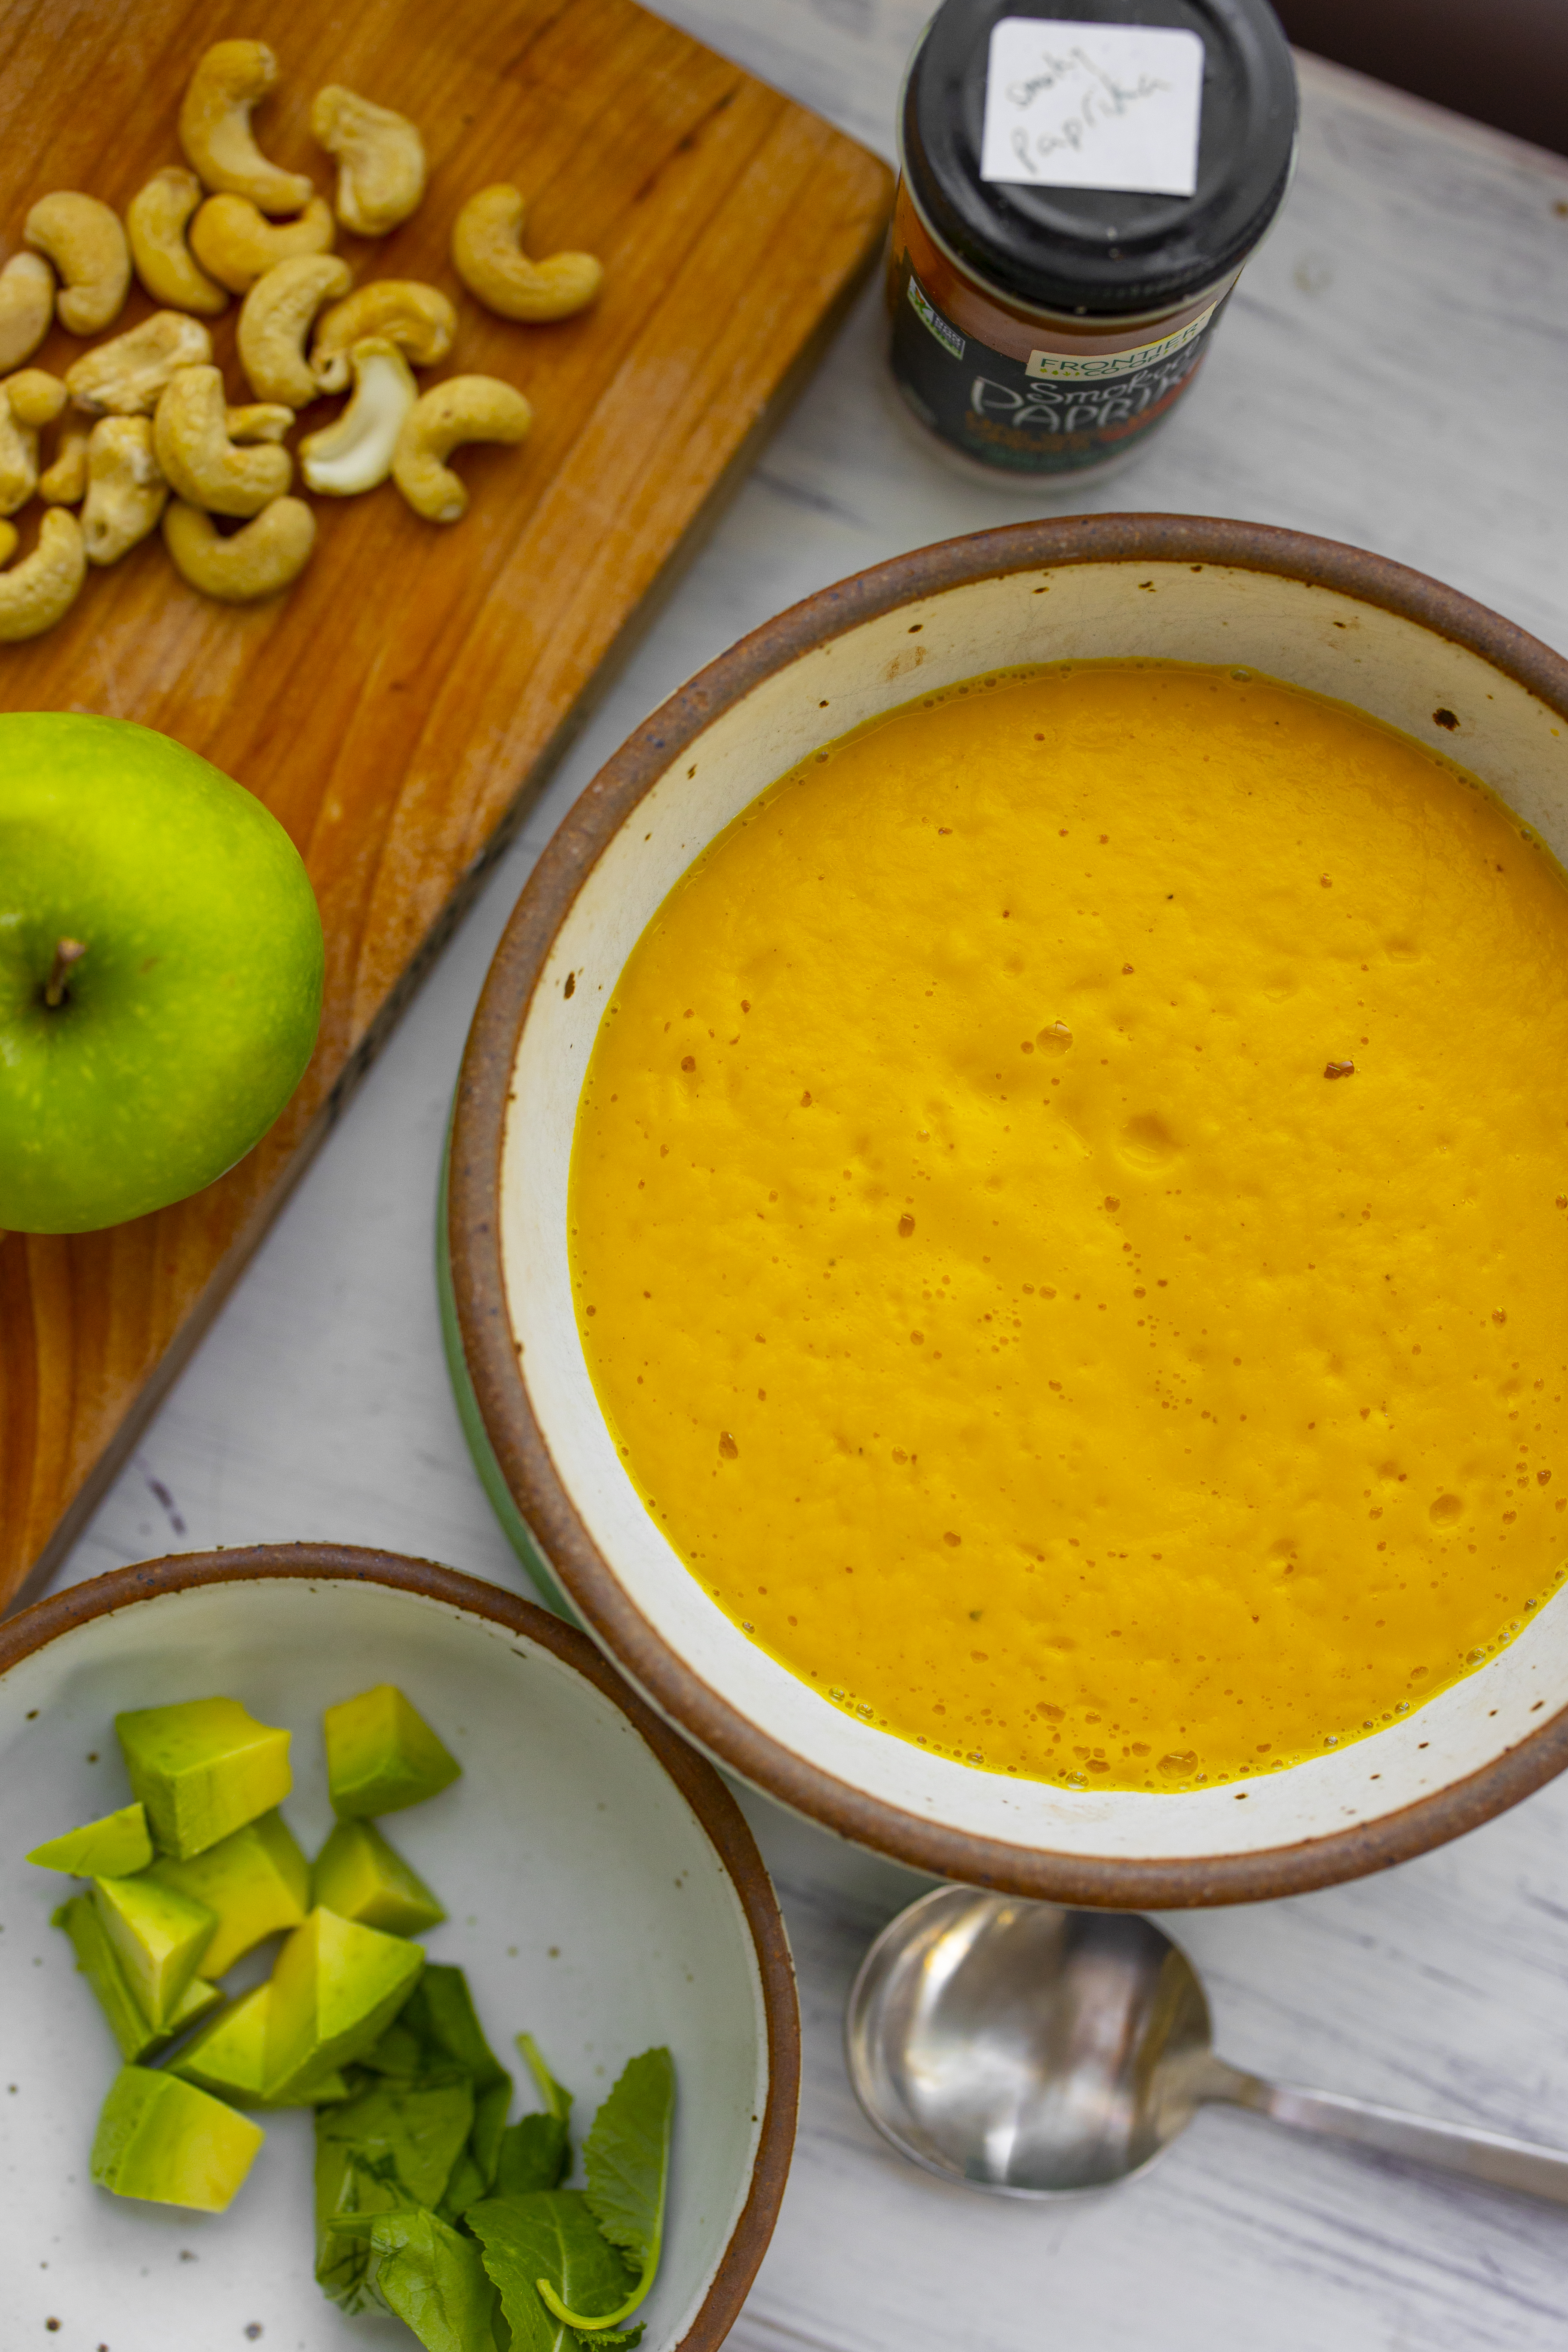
{"type": "Point", "coordinates": [1036, 2052]}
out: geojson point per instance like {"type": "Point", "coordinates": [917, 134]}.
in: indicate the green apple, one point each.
{"type": "Point", "coordinates": [160, 966]}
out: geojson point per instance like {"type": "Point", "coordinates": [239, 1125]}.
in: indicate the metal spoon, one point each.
{"type": "Point", "coordinates": [1035, 2051]}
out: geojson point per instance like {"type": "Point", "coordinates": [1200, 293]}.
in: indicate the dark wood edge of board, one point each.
{"type": "Point", "coordinates": [474, 1224]}
{"type": "Point", "coordinates": [722, 1820]}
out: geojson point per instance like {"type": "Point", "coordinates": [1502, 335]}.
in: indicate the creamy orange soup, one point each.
{"type": "Point", "coordinates": [1067, 1217]}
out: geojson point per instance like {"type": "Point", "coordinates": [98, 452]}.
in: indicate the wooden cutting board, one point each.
{"type": "Point", "coordinates": [402, 707]}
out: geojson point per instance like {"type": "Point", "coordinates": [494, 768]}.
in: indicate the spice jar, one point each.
{"type": "Point", "coordinates": [1077, 199]}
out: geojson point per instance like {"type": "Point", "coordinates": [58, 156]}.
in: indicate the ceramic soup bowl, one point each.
{"type": "Point", "coordinates": [1325, 616]}
{"type": "Point", "coordinates": [601, 1888]}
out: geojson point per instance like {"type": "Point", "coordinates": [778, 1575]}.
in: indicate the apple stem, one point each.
{"type": "Point", "coordinates": [67, 952]}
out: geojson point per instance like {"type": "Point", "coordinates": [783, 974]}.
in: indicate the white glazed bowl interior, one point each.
{"type": "Point", "coordinates": [1392, 666]}
{"type": "Point", "coordinates": [586, 1904]}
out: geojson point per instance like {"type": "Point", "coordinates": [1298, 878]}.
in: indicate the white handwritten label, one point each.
{"type": "Point", "coordinates": [1093, 106]}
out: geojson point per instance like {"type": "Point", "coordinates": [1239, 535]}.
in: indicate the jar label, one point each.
{"type": "Point", "coordinates": [1062, 367]}
{"type": "Point", "coordinates": [1069, 105]}
{"type": "Point", "coordinates": [1010, 413]}
{"type": "Point", "coordinates": [930, 318]}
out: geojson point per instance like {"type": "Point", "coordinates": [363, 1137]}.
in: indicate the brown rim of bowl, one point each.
{"type": "Point", "coordinates": [714, 1807]}
{"type": "Point", "coordinates": [474, 1224]}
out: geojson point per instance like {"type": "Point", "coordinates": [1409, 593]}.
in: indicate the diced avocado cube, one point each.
{"type": "Point", "coordinates": [256, 1880]}
{"type": "Point", "coordinates": [358, 1875]}
{"type": "Point", "coordinates": [202, 1768]}
{"type": "Point", "coordinates": [199, 2000]}
{"type": "Point", "coordinates": [138, 2037]}
{"type": "Point", "coordinates": [159, 1937]}
{"type": "Point", "coordinates": [229, 2058]}
{"type": "Point", "coordinates": [382, 1754]}
{"type": "Point", "coordinates": [115, 1847]}
{"type": "Point", "coordinates": [335, 1988]}
{"type": "Point", "coordinates": [163, 2140]}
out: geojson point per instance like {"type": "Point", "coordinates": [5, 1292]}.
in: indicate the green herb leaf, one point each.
{"type": "Point", "coordinates": [534, 2154]}
{"type": "Point", "coordinates": [557, 2102]}
{"type": "Point", "coordinates": [438, 2021]}
{"type": "Point", "coordinates": [398, 2052]}
{"type": "Point", "coordinates": [350, 2193]}
{"type": "Point", "coordinates": [491, 2109]}
{"type": "Point", "coordinates": [466, 2186]}
{"type": "Point", "coordinates": [440, 2011]}
{"type": "Point", "coordinates": [627, 2158]}
{"type": "Point", "coordinates": [434, 2279]}
{"type": "Point", "coordinates": [549, 2235]}
{"type": "Point", "coordinates": [419, 2127]}
{"type": "Point", "coordinates": [393, 2144]}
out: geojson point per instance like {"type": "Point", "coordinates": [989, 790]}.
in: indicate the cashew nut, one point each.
{"type": "Point", "coordinates": [487, 255]}
{"type": "Point", "coordinates": [199, 461]}
{"type": "Point", "coordinates": [257, 562]}
{"type": "Point", "coordinates": [37, 397]}
{"type": "Point", "coordinates": [263, 420]}
{"type": "Point", "coordinates": [276, 320]}
{"type": "Point", "coordinates": [125, 377]}
{"type": "Point", "coordinates": [215, 133]}
{"type": "Point", "coordinates": [45, 585]}
{"type": "Point", "coordinates": [19, 463]}
{"type": "Point", "coordinates": [27, 306]}
{"type": "Point", "coordinates": [28, 400]}
{"type": "Point", "coordinates": [155, 222]}
{"type": "Point", "coordinates": [65, 484]}
{"type": "Point", "coordinates": [86, 245]}
{"type": "Point", "coordinates": [418, 318]}
{"type": "Point", "coordinates": [355, 452]}
{"type": "Point", "coordinates": [230, 238]}
{"type": "Point", "coordinates": [380, 156]}
{"type": "Point", "coordinates": [125, 491]}
{"type": "Point", "coordinates": [464, 408]}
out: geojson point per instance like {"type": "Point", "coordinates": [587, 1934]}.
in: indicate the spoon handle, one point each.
{"type": "Point", "coordinates": [1475, 2155]}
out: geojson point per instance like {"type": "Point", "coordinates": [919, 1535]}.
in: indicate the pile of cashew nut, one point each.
{"type": "Point", "coordinates": [144, 430]}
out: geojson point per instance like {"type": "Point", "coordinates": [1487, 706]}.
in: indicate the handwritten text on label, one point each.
{"type": "Point", "coordinates": [1069, 105]}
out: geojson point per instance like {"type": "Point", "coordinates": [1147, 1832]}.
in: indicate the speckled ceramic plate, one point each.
{"type": "Point", "coordinates": [604, 1894]}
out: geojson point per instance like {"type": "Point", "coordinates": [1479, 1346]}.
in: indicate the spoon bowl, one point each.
{"type": "Point", "coordinates": [1026, 2048]}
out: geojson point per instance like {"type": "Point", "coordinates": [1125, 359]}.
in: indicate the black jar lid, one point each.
{"type": "Point", "coordinates": [1091, 251]}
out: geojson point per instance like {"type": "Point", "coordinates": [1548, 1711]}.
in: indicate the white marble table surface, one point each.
{"type": "Point", "coordinates": [1394, 372]}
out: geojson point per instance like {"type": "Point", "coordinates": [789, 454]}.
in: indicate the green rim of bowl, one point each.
{"type": "Point", "coordinates": [514, 1526]}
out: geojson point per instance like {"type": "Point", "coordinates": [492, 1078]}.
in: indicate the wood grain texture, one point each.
{"type": "Point", "coordinates": [398, 711]}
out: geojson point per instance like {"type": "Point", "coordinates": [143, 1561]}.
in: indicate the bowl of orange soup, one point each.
{"type": "Point", "coordinates": [1009, 1211]}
